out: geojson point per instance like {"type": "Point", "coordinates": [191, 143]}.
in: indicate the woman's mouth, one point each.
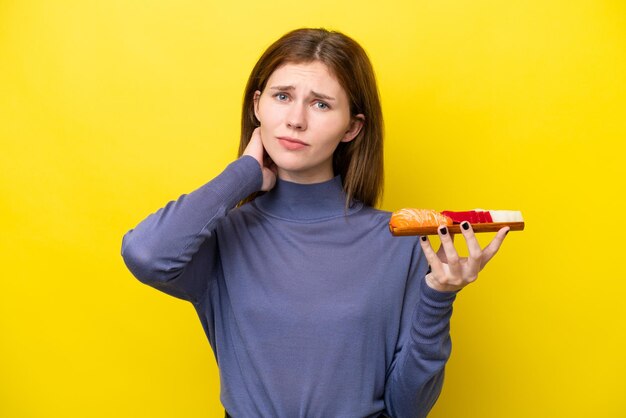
{"type": "Point", "coordinates": [292, 144]}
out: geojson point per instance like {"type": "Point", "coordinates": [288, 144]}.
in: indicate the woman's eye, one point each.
{"type": "Point", "coordinates": [321, 105]}
{"type": "Point", "coordinates": [281, 96]}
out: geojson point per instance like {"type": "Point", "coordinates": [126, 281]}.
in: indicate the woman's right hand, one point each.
{"type": "Point", "coordinates": [256, 150]}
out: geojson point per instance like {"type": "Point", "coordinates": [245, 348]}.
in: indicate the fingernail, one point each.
{"type": "Point", "coordinates": [443, 230]}
{"type": "Point", "coordinates": [424, 238]}
{"type": "Point", "coordinates": [465, 225]}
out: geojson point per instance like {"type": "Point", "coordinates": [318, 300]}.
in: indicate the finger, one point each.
{"type": "Point", "coordinates": [431, 257]}
{"type": "Point", "coordinates": [448, 247]}
{"type": "Point", "coordinates": [490, 250]}
{"type": "Point", "coordinates": [442, 254]}
{"type": "Point", "coordinates": [473, 247]}
{"type": "Point", "coordinates": [256, 136]}
{"type": "Point", "coordinates": [255, 147]}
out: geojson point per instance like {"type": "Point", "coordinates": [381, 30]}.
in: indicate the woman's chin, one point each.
{"type": "Point", "coordinates": [299, 169]}
{"type": "Point", "coordinates": [286, 164]}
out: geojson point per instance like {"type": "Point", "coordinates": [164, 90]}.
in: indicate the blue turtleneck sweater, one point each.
{"type": "Point", "coordinates": [311, 309]}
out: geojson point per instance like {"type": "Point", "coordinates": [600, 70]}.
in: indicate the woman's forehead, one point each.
{"type": "Point", "coordinates": [303, 75]}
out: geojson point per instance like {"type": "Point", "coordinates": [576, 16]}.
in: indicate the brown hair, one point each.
{"type": "Point", "coordinates": [360, 161]}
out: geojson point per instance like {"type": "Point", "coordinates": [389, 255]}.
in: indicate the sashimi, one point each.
{"type": "Point", "coordinates": [411, 221]}
{"type": "Point", "coordinates": [410, 217]}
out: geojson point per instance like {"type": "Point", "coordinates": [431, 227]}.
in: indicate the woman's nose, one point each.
{"type": "Point", "coordinates": [296, 118]}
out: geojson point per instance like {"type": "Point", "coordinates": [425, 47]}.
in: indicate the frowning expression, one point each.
{"type": "Point", "coordinates": [304, 114]}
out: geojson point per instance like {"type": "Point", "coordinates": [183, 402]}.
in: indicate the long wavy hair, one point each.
{"type": "Point", "coordinates": [360, 161]}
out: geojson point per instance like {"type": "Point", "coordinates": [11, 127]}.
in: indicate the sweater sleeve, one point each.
{"type": "Point", "coordinates": [416, 376]}
{"type": "Point", "coordinates": [174, 250]}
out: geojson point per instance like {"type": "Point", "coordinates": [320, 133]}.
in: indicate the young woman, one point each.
{"type": "Point", "coordinates": [311, 307]}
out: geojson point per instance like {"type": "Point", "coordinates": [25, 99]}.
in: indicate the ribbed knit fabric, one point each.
{"type": "Point", "coordinates": [311, 309]}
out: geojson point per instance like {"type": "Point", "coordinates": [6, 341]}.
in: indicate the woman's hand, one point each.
{"type": "Point", "coordinates": [255, 149]}
{"type": "Point", "coordinates": [449, 272]}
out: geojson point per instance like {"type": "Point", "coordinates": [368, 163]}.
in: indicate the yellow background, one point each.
{"type": "Point", "coordinates": [109, 109]}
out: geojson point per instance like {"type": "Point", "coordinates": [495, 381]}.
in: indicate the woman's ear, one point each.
{"type": "Point", "coordinates": [255, 99]}
{"type": "Point", "coordinates": [355, 127]}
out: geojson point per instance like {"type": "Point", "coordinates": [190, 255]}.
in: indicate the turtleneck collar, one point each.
{"type": "Point", "coordinates": [306, 202]}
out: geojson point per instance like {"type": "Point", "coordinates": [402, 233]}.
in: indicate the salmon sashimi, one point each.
{"type": "Point", "coordinates": [412, 218]}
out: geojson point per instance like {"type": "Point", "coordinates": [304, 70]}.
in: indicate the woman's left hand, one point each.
{"type": "Point", "coordinates": [449, 272]}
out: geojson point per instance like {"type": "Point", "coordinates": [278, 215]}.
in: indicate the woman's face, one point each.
{"type": "Point", "coordinates": [304, 114]}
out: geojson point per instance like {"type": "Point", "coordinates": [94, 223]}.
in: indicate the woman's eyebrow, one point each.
{"type": "Point", "coordinates": [313, 93]}
{"type": "Point", "coordinates": [321, 96]}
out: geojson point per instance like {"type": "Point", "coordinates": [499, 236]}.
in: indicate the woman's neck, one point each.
{"type": "Point", "coordinates": [305, 202]}
{"type": "Point", "coordinates": [306, 177]}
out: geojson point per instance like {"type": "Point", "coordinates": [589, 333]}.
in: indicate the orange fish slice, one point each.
{"type": "Point", "coordinates": [412, 218]}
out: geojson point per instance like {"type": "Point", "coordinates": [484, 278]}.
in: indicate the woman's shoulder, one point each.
{"type": "Point", "coordinates": [378, 219]}
{"type": "Point", "coordinates": [374, 214]}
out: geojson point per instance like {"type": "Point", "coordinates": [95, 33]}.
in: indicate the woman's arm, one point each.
{"type": "Point", "coordinates": [416, 377]}
{"type": "Point", "coordinates": [174, 249]}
